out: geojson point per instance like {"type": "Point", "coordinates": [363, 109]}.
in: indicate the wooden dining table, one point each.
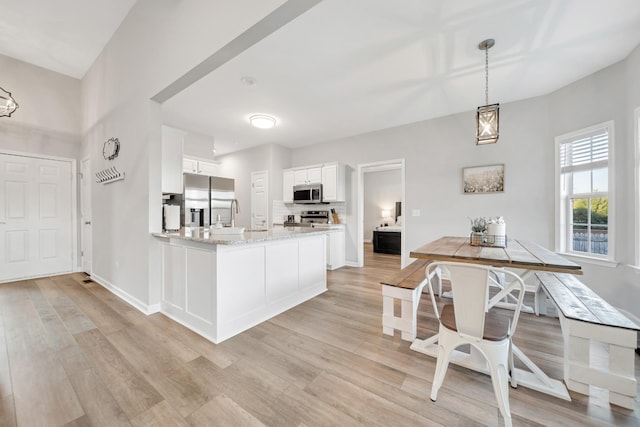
{"type": "Point", "coordinates": [518, 254]}
{"type": "Point", "coordinates": [523, 254]}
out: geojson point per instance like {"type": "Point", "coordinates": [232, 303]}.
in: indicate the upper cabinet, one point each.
{"type": "Point", "coordinates": [311, 175]}
{"type": "Point", "coordinates": [199, 167]}
{"type": "Point", "coordinates": [287, 186]}
{"type": "Point", "coordinates": [331, 175]}
{"type": "Point", "coordinates": [333, 182]}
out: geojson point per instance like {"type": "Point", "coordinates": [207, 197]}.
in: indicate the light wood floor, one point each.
{"type": "Point", "coordinates": [73, 354]}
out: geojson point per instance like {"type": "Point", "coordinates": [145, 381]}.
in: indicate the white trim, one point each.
{"type": "Point", "coordinates": [74, 214]}
{"type": "Point", "coordinates": [590, 260]}
{"type": "Point", "coordinates": [374, 167]}
{"type": "Point", "coordinates": [561, 237]}
{"type": "Point", "coordinates": [131, 300]}
{"type": "Point", "coordinates": [35, 155]}
{"type": "Point", "coordinates": [75, 261]}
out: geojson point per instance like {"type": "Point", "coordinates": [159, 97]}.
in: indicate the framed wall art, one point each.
{"type": "Point", "coordinates": [483, 179]}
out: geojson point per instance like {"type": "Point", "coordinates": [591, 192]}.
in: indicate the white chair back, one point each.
{"type": "Point", "coordinates": [470, 289]}
{"type": "Point", "coordinates": [470, 285]}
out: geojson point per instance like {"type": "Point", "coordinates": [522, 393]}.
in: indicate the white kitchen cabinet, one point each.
{"type": "Point", "coordinates": [220, 290]}
{"type": "Point", "coordinates": [287, 186]}
{"type": "Point", "coordinates": [206, 168]}
{"type": "Point", "coordinates": [336, 249]}
{"type": "Point", "coordinates": [189, 165]}
{"type": "Point", "coordinates": [200, 167]}
{"type": "Point", "coordinates": [311, 175]}
{"type": "Point", "coordinates": [331, 175]}
{"type": "Point", "coordinates": [172, 147]}
{"type": "Point", "coordinates": [314, 175]}
{"type": "Point", "coordinates": [333, 184]}
{"type": "Point", "coordinates": [183, 295]}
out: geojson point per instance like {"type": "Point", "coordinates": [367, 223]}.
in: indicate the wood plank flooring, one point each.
{"type": "Point", "coordinates": [73, 354]}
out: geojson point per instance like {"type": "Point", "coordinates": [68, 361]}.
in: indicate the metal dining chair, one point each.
{"type": "Point", "coordinates": [469, 321]}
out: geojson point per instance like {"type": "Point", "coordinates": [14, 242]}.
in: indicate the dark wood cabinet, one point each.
{"type": "Point", "coordinates": [387, 242]}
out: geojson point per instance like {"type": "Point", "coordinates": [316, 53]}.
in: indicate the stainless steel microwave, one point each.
{"type": "Point", "coordinates": [307, 193]}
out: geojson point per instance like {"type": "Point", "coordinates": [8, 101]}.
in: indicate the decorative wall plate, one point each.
{"type": "Point", "coordinates": [111, 148]}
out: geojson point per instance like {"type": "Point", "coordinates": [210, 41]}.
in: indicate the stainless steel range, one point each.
{"type": "Point", "coordinates": [309, 219]}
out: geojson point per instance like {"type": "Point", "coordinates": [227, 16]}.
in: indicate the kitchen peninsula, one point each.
{"type": "Point", "coordinates": [219, 285]}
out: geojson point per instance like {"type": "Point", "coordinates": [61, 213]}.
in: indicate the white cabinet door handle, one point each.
{"type": "Point", "coordinates": [87, 222]}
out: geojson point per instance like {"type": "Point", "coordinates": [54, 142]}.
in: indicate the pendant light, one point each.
{"type": "Point", "coordinates": [7, 104]}
{"type": "Point", "coordinates": [487, 116]}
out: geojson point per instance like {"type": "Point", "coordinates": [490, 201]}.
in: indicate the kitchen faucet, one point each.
{"type": "Point", "coordinates": [234, 212]}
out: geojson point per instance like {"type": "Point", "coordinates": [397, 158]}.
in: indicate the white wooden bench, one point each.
{"type": "Point", "coordinates": [585, 317]}
{"type": "Point", "coordinates": [406, 287]}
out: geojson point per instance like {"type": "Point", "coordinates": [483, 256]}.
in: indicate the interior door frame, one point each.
{"type": "Point", "coordinates": [251, 210]}
{"type": "Point", "coordinates": [375, 167]}
{"type": "Point", "coordinates": [81, 224]}
{"type": "Point", "coordinates": [75, 264]}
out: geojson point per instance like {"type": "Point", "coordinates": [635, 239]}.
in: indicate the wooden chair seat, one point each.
{"type": "Point", "coordinates": [496, 326]}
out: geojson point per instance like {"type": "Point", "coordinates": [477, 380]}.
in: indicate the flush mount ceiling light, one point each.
{"type": "Point", "coordinates": [487, 123]}
{"type": "Point", "coordinates": [262, 121]}
{"type": "Point", "coordinates": [7, 104]}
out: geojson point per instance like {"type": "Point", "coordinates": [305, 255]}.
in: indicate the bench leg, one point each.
{"type": "Point", "coordinates": [621, 364]}
{"type": "Point", "coordinates": [578, 352]}
{"type": "Point", "coordinates": [406, 323]}
{"type": "Point", "coordinates": [409, 317]}
{"type": "Point", "coordinates": [387, 314]}
{"type": "Point", "coordinates": [619, 378]}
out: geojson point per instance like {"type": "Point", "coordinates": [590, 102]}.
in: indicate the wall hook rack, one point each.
{"type": "Point", "coordinates": [108, 175]}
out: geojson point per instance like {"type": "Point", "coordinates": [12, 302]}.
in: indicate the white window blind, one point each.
{"type": "Point", "coordinates": [585, 152]}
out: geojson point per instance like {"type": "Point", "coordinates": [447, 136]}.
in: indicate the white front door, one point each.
{"type": "Point", "coordinates": [85, 214]}
{"type": "Point", "coordinates": [259, 200]}
{"type": "Point", "coordinates": [35, 217]}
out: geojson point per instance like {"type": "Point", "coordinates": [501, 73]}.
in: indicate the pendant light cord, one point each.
{"type": "Point", "coordinates": [486, 75]}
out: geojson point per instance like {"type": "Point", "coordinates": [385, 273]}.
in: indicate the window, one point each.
{"type": "Point", "coordinates": [584, 177]}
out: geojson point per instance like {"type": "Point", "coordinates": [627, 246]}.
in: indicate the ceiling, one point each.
{"type": "Point", "coordinates": [65, 36]}
{"type": "Point", "coordinates": [347, 67]}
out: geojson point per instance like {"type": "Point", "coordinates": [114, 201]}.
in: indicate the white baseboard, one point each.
{"type": "Point", "coordinates": [130, 299]}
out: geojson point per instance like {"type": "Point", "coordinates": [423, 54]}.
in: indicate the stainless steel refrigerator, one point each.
{"type": "Point", "coordinates": [204, 198]}
{"type": "Point", "coordinates": [222, 197]}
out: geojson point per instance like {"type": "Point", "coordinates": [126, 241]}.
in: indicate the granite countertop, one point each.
{"type": "Point", "coordinates": [202, 234]}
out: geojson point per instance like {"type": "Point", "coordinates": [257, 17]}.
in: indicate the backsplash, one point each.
{"type": "Point", "coordinates": [281, 210]}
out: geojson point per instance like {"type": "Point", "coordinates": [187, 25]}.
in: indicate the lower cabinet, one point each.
{"type": "Point", "coordinates": [219, 291]}
{"type": "Point", "coordinates": [387, 242]}
{"type": "Point", "coordinates": [336, 250]}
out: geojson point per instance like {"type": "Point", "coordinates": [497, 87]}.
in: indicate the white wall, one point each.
{"type": "Point", "coordinates": [160, 40]}
{"type": "Point", "coordinates": [157, 43]}
{"type": "Point", "coordinates": [382, 189]}
{"type": "Point", "coordinates": [239, 165]}
{"type": "Point", "coordinates": [437, 150]}
{"type": "Point", "coordinates": [47, 120]}
{"type": "Point", "coordinates": [611, 94]}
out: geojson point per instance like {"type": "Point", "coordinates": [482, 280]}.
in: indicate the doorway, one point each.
{"type": "Point", "coordinates": [85, 215]}
{"type": "Point", "coordinates": [367, 168]}
{"type": "Point", "coordinates": [36, 216]}
{"type": "Point", "coordinates": [259, 200]}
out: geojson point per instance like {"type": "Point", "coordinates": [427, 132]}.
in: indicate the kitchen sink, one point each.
{"type": "Point", "coordinates": [227, 230]}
